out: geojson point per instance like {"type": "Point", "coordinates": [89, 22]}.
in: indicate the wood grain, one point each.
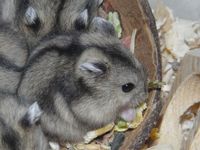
{"type": "Point", "coordinates": [132, 17]}
{"type": "Point", "coordinates": [136, 14]}
{"type": "Point", "coordinates": [195, 143]}
{"type": "Point", "coordinates": [171, 133]}
{"type": "Point", "coordinates": [190, 64]}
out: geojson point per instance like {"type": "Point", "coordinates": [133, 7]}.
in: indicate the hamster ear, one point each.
{"type": "Point", "coordinates": [32, 116]}
{"type": "Point", "coordinates": [93, 68]}
{"type": "Point", "coordinates": [101, 25]}
{"type": "Point", "coordinates": [100, 2]}
{"type": "Point", "coordinates": [81, 22]}
{"type": "Point", "coordinates": [31, 16]}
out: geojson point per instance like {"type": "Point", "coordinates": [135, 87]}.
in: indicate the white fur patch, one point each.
{"type": "Point", "coordinates": [54, 146]}
{"type": "Point", "coordinates": [84, 16]}
{"type": "Point", "coordinates": [34, 113]}
{"type": "Point", "coordinates": [90, 67]}
{"type": "Point", "coordinates": [100, 2]}
{"type": "Point", "coordinates": [30, 16]}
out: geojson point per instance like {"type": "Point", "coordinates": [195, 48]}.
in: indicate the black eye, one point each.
{"type": "Point", "coordinates": [128, 87]}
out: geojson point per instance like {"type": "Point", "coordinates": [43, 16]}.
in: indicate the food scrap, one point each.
{"type": "Point", "coordinates": [120, 126]}
{"type": "Point", "coordinates": [154, 135]}
{"type": "Point", "coordinates": [123, 126]}
{"type": "Point", "coordinates": [91, 147]}
{"type": "Point", "coordinates": [155, 84]}
{"type": "Point", "coordinates": [94, 134]}
{"type": "Point", "coordinates": [113, 17]}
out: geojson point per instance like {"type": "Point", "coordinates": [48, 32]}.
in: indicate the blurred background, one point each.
{"type": "Point", "coordinates": [186, 9]}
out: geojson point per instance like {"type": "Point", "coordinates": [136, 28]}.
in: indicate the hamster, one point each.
{"type": "Point", "coordinates": [83, 81]}
{"type": "Point", "coordinates": [19, 126]}
{"type": "Point", "coordinates": [35, 19]}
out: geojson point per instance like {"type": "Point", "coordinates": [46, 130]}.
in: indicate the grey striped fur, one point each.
{"type": "Point", "coordinates": [37, 18]}
{"type": "Point", "coordinates": [13, 56]}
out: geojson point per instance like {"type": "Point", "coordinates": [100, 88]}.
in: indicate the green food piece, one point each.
{"type": "Point", "coordinates": [122, 124]}
{"type": "Point", "coordinates": [155, 84]}
{"type": "Point", "coordinates": [113, 17]}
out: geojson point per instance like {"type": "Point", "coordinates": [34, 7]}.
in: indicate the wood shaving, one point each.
{"type": "Point", "coordinates": [187, 120]}
{"type": "Point", "coordinates": [177, 37]}
{"type": "Point", "coordinates": [133, 38]}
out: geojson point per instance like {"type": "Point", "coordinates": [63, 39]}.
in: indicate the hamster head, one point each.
{"type": "Point", "coordinates": [117, 80]}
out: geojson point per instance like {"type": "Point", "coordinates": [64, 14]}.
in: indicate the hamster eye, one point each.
{"type": "Point", "coordinates": [128, 87]}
